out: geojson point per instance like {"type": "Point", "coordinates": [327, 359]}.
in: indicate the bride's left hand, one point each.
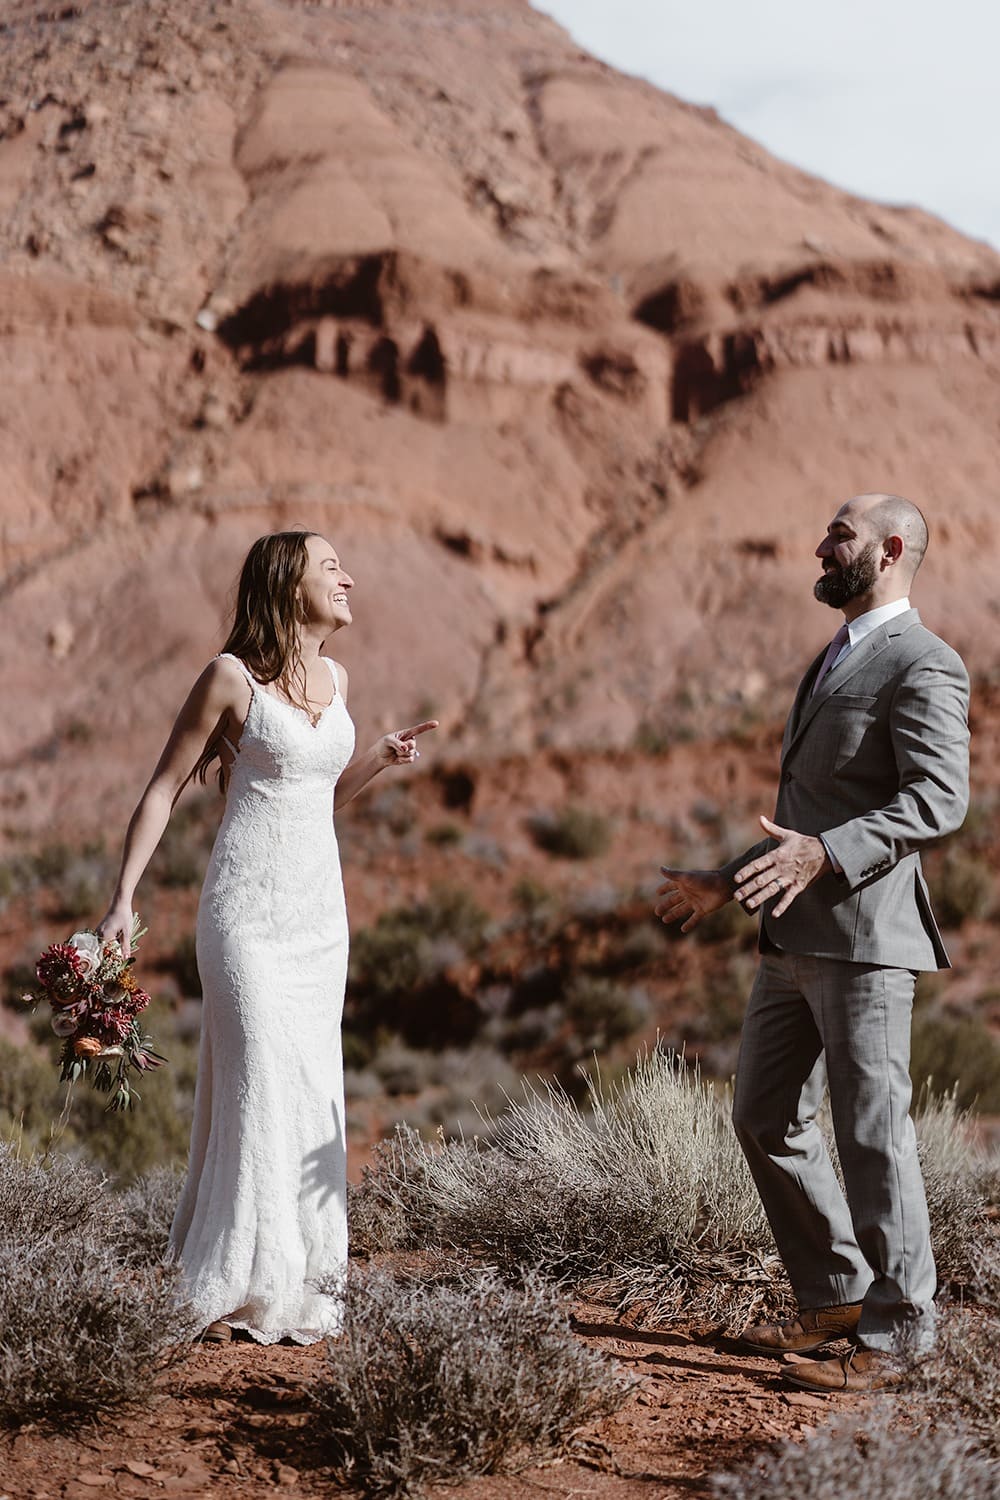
{"type": "Point", "coordinates": [400, 747]}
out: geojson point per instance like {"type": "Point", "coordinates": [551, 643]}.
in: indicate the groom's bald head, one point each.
{"type": "Point", "coordinates": [886, 516]}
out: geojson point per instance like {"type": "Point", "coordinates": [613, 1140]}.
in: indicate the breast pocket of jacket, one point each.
{"type": "Point", "coordinates": [850, 720]}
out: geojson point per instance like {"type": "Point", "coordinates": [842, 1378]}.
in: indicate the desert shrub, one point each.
{"type": "Point", "coordinates": [847, 1461]}
{"type": "Point", "coordinates": [143, 1215]}
{"type": "Point", "coordinates": [37, 1197]}
{"type": "Point", "coordinates": [79, 1331]}
{"type": "Point", "coordinates": [157, 1133]}
{"type": "Point", "coordinates": [432, 1383]}
{"type": "Point", "coordinates": [646, 1181]}
{"type": "Point", "coordinates": [469, 1089]}
{"type": "Point", "coordinates": [17, 980]}
{"type": "Point", "coordinates": [533, 898]}
{"type": "Point", "coordinates": [409, 945]}
{"type": "Point", "coordinates": [390, 1208]}
{"type": "Point", "coordinates": [31, 1096]}
{"type": "Point", "coordinates": [960, 1379]}
{"type": "Point", "coordinates": [400, 970]}
{"type": "Point", "coordinates": [960, 1179]}
{"type": "Point", "coordinates": [402, 1069]}
{"type": "Point", "coordinates": [642, 945]}
{"type": "Point", "coordinates": [603, 1011]}
{"type": "Point", "coordinates": [85, 1325]}
{"type": "Point", "coordinates": [957, 1053]}
{"type": "Point", "coordinates": [390, 808]}
{"type": "Point", "coordinates": [571, 833]}
{"type": "Point", "coordinates": [183, 964]}
{"type": "Point", "coordinates": [444, 835]}
{"type": "Point", "coordinates": [182, 853]}
{"type": "Point", "coordinates": [962, 886]}
{"type": "Point", "coordinates": [33, 1106]}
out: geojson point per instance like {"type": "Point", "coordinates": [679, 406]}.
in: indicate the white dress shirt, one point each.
{"type": "Point", "coordinates": [866, 623]}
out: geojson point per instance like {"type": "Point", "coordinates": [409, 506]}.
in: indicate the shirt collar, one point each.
{"type": "Point", "coordinates": [866, 623]}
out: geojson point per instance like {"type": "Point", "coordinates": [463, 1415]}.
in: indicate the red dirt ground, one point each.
{"type": "Point", "coordinates": [235, 1421]}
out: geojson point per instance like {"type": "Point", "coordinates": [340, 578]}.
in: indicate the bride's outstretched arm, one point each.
{"type": "Point", "coordinates": [396, 749]}
{"type": "Point", "coordinates": [220, 691]}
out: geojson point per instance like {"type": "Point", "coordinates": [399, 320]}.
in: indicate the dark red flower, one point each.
{"type": "Point", "coordinates": [60, 970]}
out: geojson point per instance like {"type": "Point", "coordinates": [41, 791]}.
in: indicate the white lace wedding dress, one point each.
{"type": "Point", "coordinates": [263, 1210]}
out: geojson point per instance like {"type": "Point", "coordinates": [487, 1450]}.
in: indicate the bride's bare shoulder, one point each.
{"type": "Point", "coordinates": [223, 682]}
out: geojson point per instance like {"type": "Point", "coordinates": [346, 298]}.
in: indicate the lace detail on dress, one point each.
{"type": "Point", "coordinates": [263, 1209]}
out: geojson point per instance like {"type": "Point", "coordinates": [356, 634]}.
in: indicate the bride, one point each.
{"type": "Point", "coordinates": [263, 1208]}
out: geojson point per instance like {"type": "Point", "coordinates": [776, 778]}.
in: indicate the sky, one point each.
{"type": "Point", "coordinates": [896, 100]}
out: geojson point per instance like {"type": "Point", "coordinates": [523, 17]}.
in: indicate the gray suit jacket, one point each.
{"type": "Point", "coordinates": [878, 763]}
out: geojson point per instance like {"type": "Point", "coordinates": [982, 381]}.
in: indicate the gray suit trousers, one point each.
{"type": "Point", "coordinates": [816, 1020]}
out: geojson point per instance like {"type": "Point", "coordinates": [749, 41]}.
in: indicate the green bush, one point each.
{"type": "Point", "coordinates": [33, 1106]}
{"type": "Point", "coordinates": [399, 975]}
{"type": "Point", "coordinates": [603, 1012]}
{"type": "Point", "coordinates": [572, 833]}
{"type": "Point", "coordinates": [182, 854]}
{"type": "Point", "coordinates": [444, 835]}
{"type": "Point", "coordinates": [183, 965]}
{"type": "Point", "coordinates": [962, 885]}
{"type": "Point", "coordinates": [957, 1053]}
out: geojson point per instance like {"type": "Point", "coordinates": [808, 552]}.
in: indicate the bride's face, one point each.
{"type": "Point", "coordinates": [324, 590]}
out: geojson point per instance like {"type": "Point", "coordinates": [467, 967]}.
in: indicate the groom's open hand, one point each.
{"type": "Point", "coordinates": [784, 872]}
{"type": "Point", "coordinates": [689, 895]}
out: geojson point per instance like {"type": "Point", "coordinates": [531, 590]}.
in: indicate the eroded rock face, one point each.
{"type": "Point", "coordinates": [571, 372]}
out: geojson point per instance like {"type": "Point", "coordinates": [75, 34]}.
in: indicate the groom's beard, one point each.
{"type": "Point", "coordinates": [839, 585]}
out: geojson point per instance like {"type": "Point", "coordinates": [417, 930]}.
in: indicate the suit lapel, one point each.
{"type": "Point", "coordinates": [801, 699]}
{"type": "Point", "coordinates": [806, 706]}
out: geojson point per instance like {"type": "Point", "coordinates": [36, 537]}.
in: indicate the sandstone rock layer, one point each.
{"type": "Point", "coordinates": [571, 372]}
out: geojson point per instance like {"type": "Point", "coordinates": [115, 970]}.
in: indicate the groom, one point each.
{"type": "Point", "coordinates": [874, 766]}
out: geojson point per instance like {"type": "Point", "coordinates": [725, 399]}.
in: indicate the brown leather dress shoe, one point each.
{"type": "Point", "coordinates": [814, 1327]}
{"type": "Point", "coordinates": [857, 1370]}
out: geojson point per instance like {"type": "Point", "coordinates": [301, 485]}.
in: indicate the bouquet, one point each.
{"type": "Point", "coordinates": [96, 1003]}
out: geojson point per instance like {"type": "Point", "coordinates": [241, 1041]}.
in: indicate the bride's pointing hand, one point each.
{"type": "Point", "coordinates": [400, 747]}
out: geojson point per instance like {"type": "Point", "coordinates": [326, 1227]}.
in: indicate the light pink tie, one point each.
{"type": "Point", "coordinates": [832, 652]}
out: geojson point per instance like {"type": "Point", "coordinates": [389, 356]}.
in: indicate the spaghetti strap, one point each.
{"type": "Point", "coordinates": [228, 656]}
{"type": "Point", "coordinates": [334, 674]}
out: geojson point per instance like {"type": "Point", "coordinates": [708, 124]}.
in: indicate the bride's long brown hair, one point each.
{"type": "Point", "coordinates": [265, 629]}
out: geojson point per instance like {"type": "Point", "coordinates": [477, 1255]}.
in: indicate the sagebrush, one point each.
{"type": "Point", "coordinates": [433, 1382]}
{"type": "Point", "coordinates": [641, 1196]}
{"type": "Point", "coordinates": [848, 1461]}
{"type": "Point", "coordinates": [89, 1318]}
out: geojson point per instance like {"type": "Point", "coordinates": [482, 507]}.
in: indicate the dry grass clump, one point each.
{"type": "Point", "coordinates": [82, 1330]}
{"type": "Point", "coordinates": [393, 1206]}
{"type": "Point", "coordinates": [961, 1181]}
{"type": "Point", "coordinates": [144, 1213]}
{"type": "Point", "coordinates": [63, 1193]}
{"type": "Point", "coordinates": [436, 1382]}
{"type": "Point", "coordinates": [847, 1462]}
{"type": "Point", "coordinates": [644, 1186]}
{"type": "Point", "coordinates": [959, 1381]}
{"type": "Point", "coordinates": [641, 1196]}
